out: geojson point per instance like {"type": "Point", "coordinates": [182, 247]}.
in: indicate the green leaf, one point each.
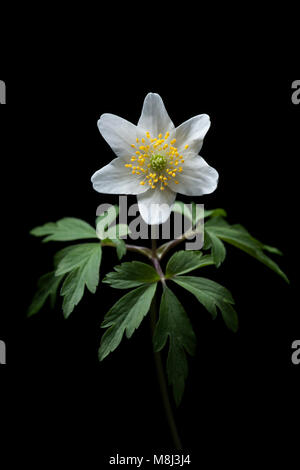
{"type": "Point", "coordinates": [218, 248]}
{"type": "Point", "coordinates": [239, 237]}
{"type": "Point", "coordinates": [182, 209]}
{"type": "Point", "coordinates": [104, 220]}
{"type": "Point", "coordinates": [131, 274]}
{"type": "Point", "coordinates": [126, 315]}
{"type": "Point", "coordinates": [76, 256]}
{"type": "Point", "coordinates": [82, 263]}
{"type": "Point", "coordinates": [117, 231]}
{"type": "Point", "coordinates": [191, 211]}
{"type": "Point", "coordinates": [229, 316]}
{"type": "Point", "coordinates": [215, 213]}
{"type": "Point", "coordinates": [174, 324]}
{"type": "Point", "coordinates": [211, 295]}
{"type": "Point", "coordinates": [120, 247]}
{"type": "Point", "coordinates": [185, 261]}
{"type": "Point", "coordinates": [66, 229]}
{"type": "Point", "coordinates": [59, 255]}
{"type": "Point", "coordinates": [114, 233]}
{"type": "Point", "coordinates": [47, 287]}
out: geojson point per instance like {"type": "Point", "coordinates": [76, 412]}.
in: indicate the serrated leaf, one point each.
{"type": "Point", "coordinates": [185, 261]}
{"type": "Point", "coordinates": [59, 255]}
{"type": "Point", "coordinates": [82, 263]}
{"type": "Point", "coordinates": [174, 324]}
{"type": "Point", "coordinates": [125, 316]}
{"type": "Point", "coordinates": [66, 229]}
{"type": "Point", "coordinates": [46, 288]}
{"type": "Point", "coordinates": [239, 237]}
{"type": "Point", "coordinates": [131, 274]}
{"type": "Point", "coordinates": [211, 295]}
{"type": "Point", "coordinates": [75, 256]}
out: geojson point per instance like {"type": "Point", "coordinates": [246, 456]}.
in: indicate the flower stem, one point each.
{"type": "Point", "coordinates": [159, 365]}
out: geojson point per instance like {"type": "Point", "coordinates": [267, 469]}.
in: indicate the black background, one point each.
{"type": "Point", "coordinates": [243, 390]}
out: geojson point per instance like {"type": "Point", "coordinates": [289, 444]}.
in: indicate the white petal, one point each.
{"type": "Point", "coordinates": [192, 133]}
{"type": "Point", "coordinates": [118, 133]}
{"type": "Point", "coordinates": [154, 117]}
{"type": "Point", "coordinates": [155, 205]}
{"type": "Point", "coordinates": [114, 178]}
{"type": "Point", "coordinates": [196, 179]}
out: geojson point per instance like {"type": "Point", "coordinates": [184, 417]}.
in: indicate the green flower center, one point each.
{"type": "Point", "coordinates": [158, 162]}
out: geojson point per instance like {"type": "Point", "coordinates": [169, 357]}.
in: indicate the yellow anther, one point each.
{"type": "Point", "coordinates": [137, 140]}
{"type": "Point", "coordinates": [167, 135]}
{"type": "Point", "coordinates": [173, 174]}
{"type": "Point", "coordinates": [133, 172]}
{"type": "Point", "coordinates": [165, 146]}
{"type": "Point", "coordinates": [134, 167]}
{"type": "Point", "coordinates": [165, 178]}
{"type": "Point", "coordinates": [153, 186]}
{"type": "Point", "coordinates": [133, 159]}
{"type": "Point", "coordinates": [182, 161]}
{"type": "Point", "coordinates": [133, 146]}
{"type": "Point", "coordinates": [176, 182]}
{"type": "Point", "coordinates": [176, 163]}
{"type": "Point", "coordinates": [186, 147]}
{"type": "Point", "coordinates": [138, 153]}
{"type": "Point", "coordinates": [159, 136]}
{"type": "Point", "coordinates": [173, 141]}
{"type": "Point", "coordinates": [143, 140]}
{"type": "Point", "coordinates": [156, 180]}
{"type": "Point", "coordinates": [142, 183]}
{"type": "Point", "coordinates": [162, 188]}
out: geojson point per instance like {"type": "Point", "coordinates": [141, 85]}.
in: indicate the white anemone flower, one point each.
{"type": "Point", "coordinates": [154, 160]}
